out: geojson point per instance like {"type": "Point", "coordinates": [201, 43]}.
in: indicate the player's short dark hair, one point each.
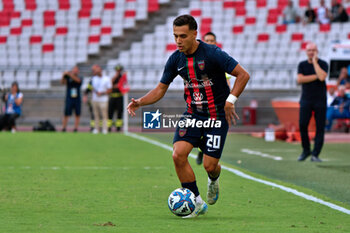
{"type": "Point", "coordinates": [186, 20]}
{"type": "Point", "coordinates": [210, 34]}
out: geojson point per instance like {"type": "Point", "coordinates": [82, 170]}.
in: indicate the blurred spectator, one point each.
{"type": "Point", "coordinates": [339, 109]}
{"type": "Point", "coordinates": [115, 104]}
{"type": "Point", "coordinates": [331, 95]}
{"type": "Point", "coordinates": [87, 100]}
{"type": "Point", "coordinates": [338, 12]}
{"type": "Point", "coordinates": [312, 74]}
{"type": "Point", "coordinates": [101, 87]}
{"type": "Point", "coordinates": [310, 15]}
{"type": "Point", "coordinates": [290, 14]}
{"type": "Point", "coordinates": [13, 108]}
{"type": "Point", "coordinates": [343, 76]}
{"type": "Point", "coordinates": [322, 13]}
{"type": "Point", "coordinates": [72, 80]}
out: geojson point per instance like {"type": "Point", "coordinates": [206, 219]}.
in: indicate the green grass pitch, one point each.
{"type": "Point", "coordinates": [78, 182]}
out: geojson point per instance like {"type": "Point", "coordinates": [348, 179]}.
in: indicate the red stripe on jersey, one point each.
{"type": "Point", "coordinates": [192, 74]}
{"type": "Point", "coordinates": [188, 99]}
{"type": "Point", "coordinates": [211, 104]}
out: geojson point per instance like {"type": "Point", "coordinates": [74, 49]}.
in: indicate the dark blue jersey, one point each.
{"type": "Point", "coordinates": [203, 74]}
{"type": "Point", "coordinates": [315, 90]}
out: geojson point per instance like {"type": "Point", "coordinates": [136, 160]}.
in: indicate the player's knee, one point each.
{"type": "Point", "coordinates": [179, 159]}
{"type": "Point", "coordinates": [209, 167]}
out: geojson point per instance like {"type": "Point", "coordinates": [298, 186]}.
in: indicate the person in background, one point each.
{"type": "Point", "coordinates": [339, 109]}
{"type": "Point", "coordinates": [312, 74]}
{"type": "Point", "coordinates": [290, 14]}
{"type": "Point", "coordinates": [115, 104]}
{"type": "Point", "coordinates": [323, 13]}
{"type": "Point", "coordinates": [73, 81]}
{"type": "Point", "coordinates": [338, 12]}
{"type": "Point", "coordinates": [87, 100]}
{"type": "Point", "coordinates": [343, 76]}
{"type": "Point", "coordinates": [13, 108]}
{"type": "Point", "coordinates": [310, 15]}
{"type": "Point", "coordinates": [101, 87]}
{"type": "Point", "coordinates": [331, 94]}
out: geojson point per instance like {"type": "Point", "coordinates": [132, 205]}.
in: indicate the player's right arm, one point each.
{"type": "Point", "coordinates": [157, 93]}
{"type": "Point", "coordinates": [150, 98]}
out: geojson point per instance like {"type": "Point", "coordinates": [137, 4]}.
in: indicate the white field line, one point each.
{"type": "Point", "coordinates": [258, 153]}
{"type": "Point", "coordinates": [249, 177]}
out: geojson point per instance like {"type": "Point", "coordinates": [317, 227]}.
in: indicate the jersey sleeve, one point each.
{"type": "Point", "coordinates": [170, 71]}
{"type": "Point", "coordinates": [226, 62]}
{"type": "Point", "coordinates": [324, 66]}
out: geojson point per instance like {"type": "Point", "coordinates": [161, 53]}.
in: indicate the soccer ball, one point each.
{"type": "Point", "coordinates": [181, 202]}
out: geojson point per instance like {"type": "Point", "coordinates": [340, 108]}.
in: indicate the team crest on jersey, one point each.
{"type": "Point", "coordinates": [182, 132]}
{"type": "Point", "coordinates": [201, 65]}
{"type": "Point", "coordinates": [197, 96]}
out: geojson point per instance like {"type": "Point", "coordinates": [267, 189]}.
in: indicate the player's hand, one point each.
{"type": "Point", "coordinates": [133, 106]}
{"type": "Point", "coordinates": [85, 98]}
{"type": "Point", "coordinates": [315, 57]}
{"type": "Point", "coordinates": [230, 113]}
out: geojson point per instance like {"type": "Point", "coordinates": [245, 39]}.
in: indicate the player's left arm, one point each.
{"type": "Point", "coordinates": [242, 77]}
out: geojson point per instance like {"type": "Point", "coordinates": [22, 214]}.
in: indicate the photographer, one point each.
{"type": "Point", "coordinates": [73, 99]}
{"type": "Point", "coordinates": [13, 108]}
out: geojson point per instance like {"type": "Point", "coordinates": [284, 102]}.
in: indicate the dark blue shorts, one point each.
{"type": "Point", "coordinates": [72, 104]}
{"type": "Point", "coordinates": [210, 140]}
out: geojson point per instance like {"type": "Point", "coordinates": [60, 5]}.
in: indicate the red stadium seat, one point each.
{"type": "Point", "coordinates": [250, 20]}
{"type": "Point", "coordinates": [282, 3]}
{"type": "Point", "coordinates": [3, 39]}
{"type": "Point", "coordinates": [106, 30]}
{"type": "Point", "coordinates": [241, 11]}
{"type": "Point", "coordinates": [237, 29]}
{"type": "Point", "coordinates": [61, 31]}
{"type": "Point", "coordinates": [95, 22]}
{"type": "Point", "coordinates": [303, 45]}
{"type": "Point", "coordinates": [109, 6]}
{"type": "Point", "coordinates": [303, 3]}
{"type": "Point", "coordinates": [4, 21]}
{"type": "Point", "coordinates": [30, 5]}
{"type": "Point", "coordinates": [27, 22]}
{"type": "Point", "coordinates": [234, 4]}
{"type": "Point", "coordinates": [153, 5]}
{"type": "Point", "coordinates": [49, 18]}
{"type": "Point", "coordinates": [348, 10]}
{"type": "Point", "coordinates": [349, 36]}
{"type": "Point", "coordinates": [281, 28]}
{"type": "Point", "coordinates": [196, 12]}
{"type": "Point", "coordinates": [263, 37]}
{"type": "Point", "coordinates": [297, 36]}
{"type": "Point", "coordinates": [94, 39]}
{"type": "Point", "coordinates": [63, 5]}
{"type": "Point", "coordinates": [207, 21]}
{"type": "Point", "coordinates": [35, 39]}
{"type": "Point", "coordinates": [260, 3]}
{"type": "Point", "coordinates": [325, 27]}
{"type": "Point", "coordinates": [275, 11]}
{"type": "Point", "coordinates": [15, 14]}
{"type": "Point", "coordinates": [272, 19]}
{"type": "Point", "coordinates": [16, 31]}
{"type": "Point", "coordinates": [84, 14]}
{"type": "Point", "coordinates": [129, 13]}
{"type": "Point", "coordinates": [48, 48]}
{"type": "Point", "coordinates": [86, 4]}
{"type": "Point", "coordinates": [171, 47]}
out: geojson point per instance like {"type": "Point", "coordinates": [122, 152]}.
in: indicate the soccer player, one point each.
{"type": "Point", "coordinates": [202, 68]}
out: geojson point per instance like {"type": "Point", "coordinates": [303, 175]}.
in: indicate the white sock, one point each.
{"type": "Point", "coordinates": [199, 199]}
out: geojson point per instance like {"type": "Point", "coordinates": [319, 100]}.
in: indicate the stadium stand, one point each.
{"type": "Point", "coordinates": [39, 38]}
{"type": "Point", "coordinates": [251, 31]}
